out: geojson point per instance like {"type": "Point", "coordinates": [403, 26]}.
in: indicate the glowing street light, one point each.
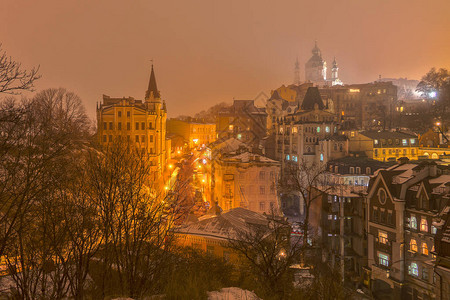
{"type": "Point", "coordinates": [433, 94]}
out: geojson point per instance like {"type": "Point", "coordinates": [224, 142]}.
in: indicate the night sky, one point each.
{"type": "Point", "coordinates": [209, 51]}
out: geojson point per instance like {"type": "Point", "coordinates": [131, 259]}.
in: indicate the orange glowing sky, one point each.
{"type": "Point", "coordinates": [210, 51]}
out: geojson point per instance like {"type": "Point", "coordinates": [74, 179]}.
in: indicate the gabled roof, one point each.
{"type": "Point", "coordinates": [275, 95]}
{"type": "Point", "coordinates": [312, 98]}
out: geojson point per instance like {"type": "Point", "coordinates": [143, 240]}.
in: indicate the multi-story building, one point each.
{"type": "Point", "coordinates": [246, 180]}
{"type": "Point", "coordinates": [244, 121]}
{"type": "Point", "coordinates": [362, 106]}
{"type": "Point", "coordinates": [404, 202]}
{"type": "Point", "coordinates": [340, 215]}
{"type": "Point", "coordinates": [442, 264]}
{"type": "Point", "coordinates": [298, 134]}
{"type": "Point", "coordinates": [194, 132]}
{"type": "Point", "coordinates": [385, 145]}
{"type": "Point", "coordinates": [140, 122]}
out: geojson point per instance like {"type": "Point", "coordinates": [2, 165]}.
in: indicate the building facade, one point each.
{"type": "Point", "coordinates": [385, 145]}
{"type": "Point", "coordinates": [404, 202]}
{"type": "Point", "coordinates": [194, 132]}
{"type": "Point", "coordinates": [246, 180]}
{"type": "Point", "coordinates": [244, 121]}
{"type": "Point", "coordinates": [141, 122]}
{"type": "Point", "coordinates": [297, 135]}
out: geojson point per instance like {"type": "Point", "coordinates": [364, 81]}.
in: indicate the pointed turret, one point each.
{"type": "Point", "coordinates": [152, 90]}
{"type": "Point", "coordinates": [316, 50]}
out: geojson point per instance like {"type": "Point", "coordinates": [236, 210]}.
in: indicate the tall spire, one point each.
{"type": "Point", "coordinates": [297, 72]}
{"type": "Point", "coordinates": [152, 88]}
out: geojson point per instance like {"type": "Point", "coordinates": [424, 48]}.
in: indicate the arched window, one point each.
{"type": "Point", "coordinates": [424, 248]}
{"type": "Point", "coordinates": [413, 269]}
{"type": "Point", "coordinates": [413, 245]}
{"type": "Point", "coordinates": [423, 225]}
{"type": "Point", "coordinates": [413, 222]}
{"type": "Point", "coordinates": [321, 156]}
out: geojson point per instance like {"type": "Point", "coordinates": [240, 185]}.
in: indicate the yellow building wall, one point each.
{"type": "Point", "coordinates": [196, 134]}
{"type": "Point", "coordinates": [238, 186]}
{"type": "Point", "coordinates": [287, 93]}
{"type": "Point", "coordinates": [144, 129]}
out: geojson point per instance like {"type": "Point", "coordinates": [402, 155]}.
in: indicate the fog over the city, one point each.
{"type": "Point", "coordinates": [207, 52]}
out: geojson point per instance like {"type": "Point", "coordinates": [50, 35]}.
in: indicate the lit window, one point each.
{"type": "Point", "coordinates": [230, 127]}
{"type": "Point", "coordinates": [412, 141]}
{"type": "Point", "coordinates": [318, 129]}
{"type": "Point", "coordinates": [287, 157]}
{"type": "Point", "coordinates": [383, 259]}
{"type": "Point", "coordinates": [382, 237]}
{"type": "Point", "coordinates": [321, 156]}
{"type": "Point", "coordinates": [375, 142]}
{"type": "Point", "coordinates": [424, 248]}
{"type": "Point", "coordinates": [414, 269]}
{"type": "Point", "coordinates": [423, 225]}
{"type": "Point", "coordinates": [330, 217]}
{"type": "Point", "coordinates": [413, 222]}
{"type": "Point", "coordinates": [327, 129]}
{"type": "Point", "coordinates": [413, 245]}
{"type": "Point", "coordinates": [405, 142]}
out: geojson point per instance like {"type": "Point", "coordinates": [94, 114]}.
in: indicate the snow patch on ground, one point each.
{"type": "Point", "coordinates": [232, 293]}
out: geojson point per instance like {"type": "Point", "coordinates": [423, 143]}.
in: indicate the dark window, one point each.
{"type": "Point", "coordinates": [119, 114]}
{"type": "Point", "coordinates": [110, 138]}
{"type": "Point", "coordinates": [128, 114]}
{"type": "Point", "coordinates": [143, 125]}
{"type": "Point", "coordinates": [137, 125]}
{"type": "Point", "coordinates": [150, 125]}
{"type": "Point", "coordinates": [137, 139]}
{"type": "Point", "coordinates": [104, 126]}
{"type": "Point", "coordinates": [110, 126]}
{"type": "Point", "coordinates": [151, 138]}
{"type": "Point", "coordinates": [382, 216]}
{"type": "Point", "coordinates": [375, 215]}
{"type": "Point", "coordinates": [119, 125]}
{"type": "Point", "coordinates": [389, 218]}
{"type": "Point", "coordinates": [128, 126]}
{"type": "Point", "coordinates": [104, 138]}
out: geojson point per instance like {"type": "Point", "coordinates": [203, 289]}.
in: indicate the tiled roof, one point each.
{"type": "Point", "coordinates": [225, 225]}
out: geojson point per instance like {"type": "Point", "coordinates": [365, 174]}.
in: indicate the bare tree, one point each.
{"type": "Point", "coordinates": [40, 136]}
{"type": "Point", "coordinates": [268, 252]}
{"type": "Point", "coordinates": [135, 221]}
{"type": "Point", "coordinates": [14, 79]}
{"type": "Point", "coordinates": [308, 180]}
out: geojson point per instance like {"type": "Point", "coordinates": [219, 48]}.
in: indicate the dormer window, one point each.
{"type": "Point", "coordinates": [352, 170]}
{"type": "Point", "coordinates": [368, 171]}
